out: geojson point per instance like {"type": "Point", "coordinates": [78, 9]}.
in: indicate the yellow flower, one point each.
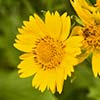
{"type": "Point", "coordinates": [90, 16]}
{"type": "Point", "coordinates": [49, 54]}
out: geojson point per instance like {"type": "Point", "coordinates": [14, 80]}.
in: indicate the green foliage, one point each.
{"type": "Point", "coordinates": [14, 88]}
{"type": "Point", "coordinates": [82, 85]}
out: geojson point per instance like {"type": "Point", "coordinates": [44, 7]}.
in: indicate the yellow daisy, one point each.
{"type": "Point", "coordinates": [90, 16]}
{"type": "Point", "coordinates": [49, 54]}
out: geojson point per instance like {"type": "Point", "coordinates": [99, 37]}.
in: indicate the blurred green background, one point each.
{"type": "Point", "coordinates": [82, 85]}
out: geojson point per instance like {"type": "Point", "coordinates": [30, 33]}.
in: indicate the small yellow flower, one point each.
{"type": "Point", "coordinates": [49, 54]}
{"type": "Point", "coordinates": [90, 16]}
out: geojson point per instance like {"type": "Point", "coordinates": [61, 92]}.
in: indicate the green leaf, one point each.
{"type": "Point", "coordinates": [95, 89]}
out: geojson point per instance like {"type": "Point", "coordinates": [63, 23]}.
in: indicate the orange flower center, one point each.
{"type": "Point", "coordinates": [91, 36]}
{"type": "Point", "coordinates": [48, 52]}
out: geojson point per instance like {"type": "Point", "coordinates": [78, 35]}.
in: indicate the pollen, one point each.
{"type": "Point", "coordinates": [48, 52]}
{"type": "Point", "coordinates": [91, 36]}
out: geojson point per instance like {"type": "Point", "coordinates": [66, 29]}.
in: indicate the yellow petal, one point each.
{"type": "Point", "coordinates": [33, 26]}
{"type": "Point", "coordinates": [77, 30]}
{"type": "Point", "coordinates": [73, 45]}
{"type": "Point", "coordinates": [26, 56]}
{"type": "Point", "coordinates": [96, 63]}
{"type": "Point", "coordinates": [27, 33]}
{"type": "Point", "coordinates": [66, 25]}
{"type": "Point", "coordinates": [51, 78]}
{"type": "Point", "coordinates": [40, 24]}
{"type": "Point", "coordinates": [74, 41]}
{"type": "Point", "coordinates": [44, 79]}
{"type": "Point", "coordinates": [68, 63]}
{"type": "Point", "coordinates": [86, 5]}
{"type": "Point", "coordinates": [96, 16]}
{"type": "Point", "coordinates": [83, 56]}
{"type": "Point", "coordinates": [27, 68]}
{"type": "Point", "coordinates": [53, 24]}
{"type": "Point", "coordinates": [60, 79]}
{"type": "Point", "coordinates": [37, 79]}
{"type": "Point", "coordinates": [26, 41]}
{"type": "Point", "coordinates": [27, 38]}
{"type": "Point", "coordinates": [83, 13]}
{"type": "Point", "coordinates": [23, 47]}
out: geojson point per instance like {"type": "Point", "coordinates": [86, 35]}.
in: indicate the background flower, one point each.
{"type": "Point", "coordinates": [90, 30]}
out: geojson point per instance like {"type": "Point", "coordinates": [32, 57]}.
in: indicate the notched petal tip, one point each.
{"type": "Point", "coordinates": [96, 63]}
{"type": "Point", "coordinates": [25, 23]}
{"type": "Point", "coordinates": [48, 12]}
{"type": "Point", "coordinates": [53, 91]}
{"type": "Point", "coordinates": [31, 18]}
{"type": "Point", "coordinates": [95, 74]}
{"type": "Point", "coordinates": [57, 13]}
{"type": "Point", "coordinates": [20, 30]}
{"type": "Point", "coordinates": [76, 31]}
{"type": "Point", "coordinates": [20, 72]}
{"type": "Point", "coordinates": [60, 91]}
{"type": "Point", "coordinates": [35, 15]}
{"type": "Point", "coordinates": [14, 45]}
{"type": "Point", "coordinates": [72, 1]}
{"type": "Point", "coordinates": [64, 15]}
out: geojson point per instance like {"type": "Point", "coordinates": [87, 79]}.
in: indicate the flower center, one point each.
{"type": "Point", "coordinates": [48, 52]}
{"type": "Point", "coordinates": [91, 36]}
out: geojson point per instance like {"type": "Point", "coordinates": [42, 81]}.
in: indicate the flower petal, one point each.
{"type": "Point", "coordinates": [87, 5]}
{"type": "Point", "coordinates": [60, 79]}
{"type": "Point", "coordinates": [77, 30]}
{"type": "Point", "coordinates": [96, 63]}
{"type": "Point", "coordinates": [68, 63]}
{"type": "Point", "coordinates": [53, 24]}
{"type": "Point", "coordinates": [40, 24]}
{"type": "Point", "coordinates": [66, 25]}
{"type": "Point", "coordinates": [27, 68]}
{"type": "Point", "coordinates": [73, 45]}
{"type": "Point", "coordinates": [44, 79]}
{"type": "Point", "coordinates": [25, 42]}
{"type": "Point", "coordinates": [31, 28]}
{"type": "Point", "coordinates": [83, 13]}
{"type": "Point", "coordinates": [96, 16]}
